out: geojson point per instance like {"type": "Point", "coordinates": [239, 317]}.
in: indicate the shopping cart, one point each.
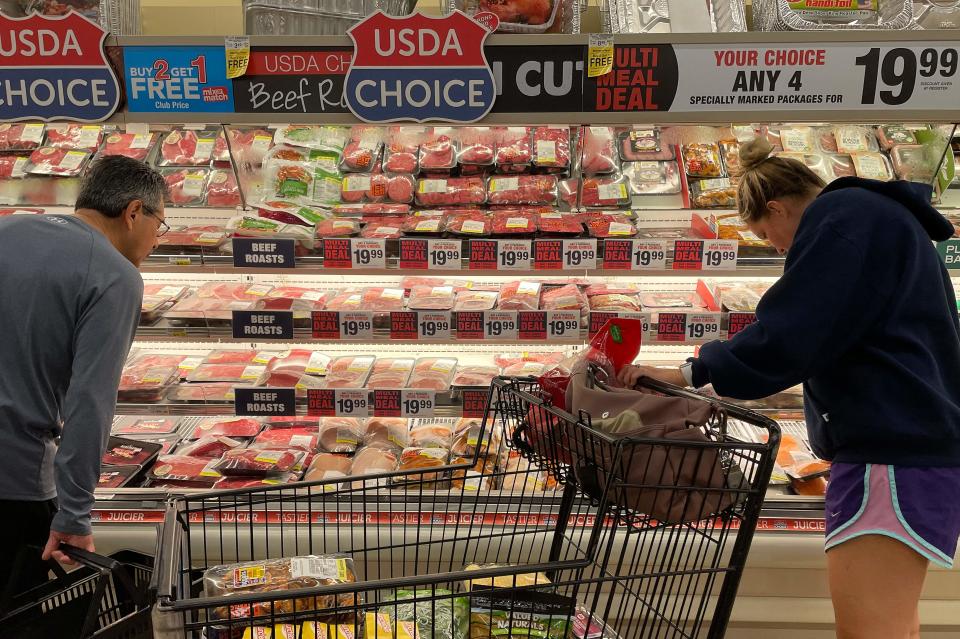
{"type": "Point", "coordinates": [105, 598]}
{"type": "Point", "coordinates": [472, 549]}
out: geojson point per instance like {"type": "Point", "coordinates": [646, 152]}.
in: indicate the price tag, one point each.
{"type": "Point", "coordinates": [325, 325]}
{"type": "Point", "coordinates": [738, 321]}
{"type": "Point", "coordinates": [434, 325]}
{"type": "Point", "coordinates": [417, 403]}
{"type": "Point", "coordinates": [672, 327]}
{"type": "Point", "coordinates": [444, 254]}
{"type": "Point", "coordinates": [470, 325]}
{"type": "Point", "coordinates": [337, 253]}
{"type": "Point", "coordinates": [263, 402]}
{"type": "Point", "coordinates": [338, 402]}
{"type": "Point", "coordinates": [580, 254]}
{"type": "Point", "coordinates": [500, 325]}
{"type": "Point", "coordinates": [617, 255]}
{"type": "Point", "coordinates": [646, 322]}
{"type": "Point", "coordinates": [474, 403]}
{"type": "Point", "coordinates": [368, 253]}
{"type": "Point", "coordinates": [257, 253]}
{"type": "Point", "coordinates": [514, 255]}
{"type": "Point", "coordinates": [483, 255]}
{"type": "Point", "coordinates": [403, 325]}
{"type": "Point", "coordinates": [563, 325]}
{"type": "Point", "coordinates": [356, 325]}
{"type": "Point", "coordinates": [703, 327]}
{"type": "Point", "coordinates": [649, 255]}
{"type": "Point", "coordinates": [548, 255]}
{"type": "Point", "coordinates": [687, 255]}
{"type": "Point", "coordinates": [413, 254]}
{"type": "Point", "coordinates": [720, 255]}
{"type": "Point", "coordinates": [237, 52]}
{"type": "Point", "coordinates": [599, 55]}
{"type": "Point", "coordinates": [258, 325]}
{"type": "Point", "coordinates": [532, 325]}
{"type": "Point", "coordinates": [386, 402]}
{"type": "Point", "coordinates": [598, 319]}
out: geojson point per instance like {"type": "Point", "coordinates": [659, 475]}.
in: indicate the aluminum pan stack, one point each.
{"type": "Point", "coordinates": [654, 16]}
{"type": "Point", "coordinates": [314, 17]}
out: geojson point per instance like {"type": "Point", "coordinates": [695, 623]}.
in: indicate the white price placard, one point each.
{"type": "Point", "coordinates": [703, 327]}
{"type": "Point", "coordinates": [417, 403]}
{"type": "Point", "coordinates": [500, 325]}
{"type": "Point", "coordinates": [434, 325]}
{"type": "Point", "coordinates": [351, 402]}
{"type": "Point", "coordinates": [649, 255]}
{"type": "Point", "coordinates": [720, 255]}
{"type": "Point", "coordinates": [444, 253]}
{"type": "Point", "coordinates": [368, 253]}
{"type": "Point", "coordinates": [514, 255]}
{"type": "Point", "coordinates": [356, 325]}
{"type": "Point", "coordinates": [563, 324]}
{"type": "Point", "coordinates": [580, 254]}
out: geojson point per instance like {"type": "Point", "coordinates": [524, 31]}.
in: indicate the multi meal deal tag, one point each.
{"type": "Point", "coordinates": [599, 55]}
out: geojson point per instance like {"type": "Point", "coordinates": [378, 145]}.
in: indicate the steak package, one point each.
{"type": "Point", "coordinates": [382, 300]}
{"type": "Point", "coordinates": [226, 373]}
{"type": "Point", "coordinates": [258, 462]}
{"type": "Point", "coordinates": [610, 191]}
{"type": "Point", "coordinates": [470, 375]}
{"type": "Point", "coordinates": [615, 303]}
{"type": "Point", "coordinates": [21, 136]}
{"type": "Point", "coordinates": [150, 426]}
{"type": "Point", "coordinates": [146, 383]}
{"type": "Point", "coordinates": [222, 189]}
{"type": "Point", "coordinates": [240, 481]}
{"type": "Point", "coordinates": [371, 460]}
{"type": "Point", "coordinates": [476, 301]}
{"type": "Point", "coordinates": [203, 236]}
{"type": "Point", "coordinates": [184, 472]}
{"type": "Point", "coordinates": [218, 426]}
{"type": "Point", "coordinates": [431, 373]}
{"type": "Point", "coordinates": [126, 452]}
{"type": "Point", "coordinates": [218, 392]}
{"type": "Point", "coordinates": [513, 222]}
{"type": "Point", "coordinates": [184, 147]}
{"type": "Point", "coordinates": [116, 476]}
{"type": "Point", "coordinates": [210, 447]}
{"type": "Point", "coordinates": [48, 160]}
{"type": "Point", "coordinates": [327, 466]}
{"type": "Point", "coordinates": [564, 298]}
{"type": "Point", "coordinates": [431, 298]}
{"type": "Point", "coordinates": [83, 137]}
{"type": "Point", "coordinates": [250, 146]}
{"type": "Point", "coordinates": [186, 187]}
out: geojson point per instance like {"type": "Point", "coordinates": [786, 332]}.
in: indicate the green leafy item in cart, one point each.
{"type": "Point", "coordinates": [436, 614]}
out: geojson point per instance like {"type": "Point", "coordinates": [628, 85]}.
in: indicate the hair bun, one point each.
{"type": "Point", "coordinates": [754, 152]}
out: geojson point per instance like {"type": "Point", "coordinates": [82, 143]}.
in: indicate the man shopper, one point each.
{"type": "Point", "coordinates": [70, 297]}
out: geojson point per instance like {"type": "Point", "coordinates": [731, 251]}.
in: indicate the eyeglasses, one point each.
{"type": "Point", "coordinates": [163, 228]}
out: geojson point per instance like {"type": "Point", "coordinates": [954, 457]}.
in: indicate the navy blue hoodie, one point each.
{"type": "Point", "coordinates": [865, 316]}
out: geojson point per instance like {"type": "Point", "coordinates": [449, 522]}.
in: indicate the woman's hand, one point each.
{"type": "Point", "coordinates": [630, 375]}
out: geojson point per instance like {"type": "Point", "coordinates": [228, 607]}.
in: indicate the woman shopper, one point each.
{"type": "Point", "coordinates": [865, 317]}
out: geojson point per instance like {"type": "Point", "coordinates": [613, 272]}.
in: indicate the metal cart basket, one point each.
{"type": "Point", "coordinates": [481, 547]}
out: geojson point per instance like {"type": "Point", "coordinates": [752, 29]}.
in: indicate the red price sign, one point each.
{"type": "Point", "coordinates": [321, 402]}
{"type": "Point", "coordinates": [403, 325]}
{"type": "Point", "coordinates": [688, 255]}
{"type": "Point", "coordinates": [532, 325]}
{"type": "Point", "coordinates": [597, 320]}
{"type": "Point", "coordinates": [413, 254]}
{"type": "Point", "coordinates": [326, 325]}
{"type": "Point", "coordinates": [617, 255]}
{"type": "Point", "coordinates": [386, 402]}
{"type": "Point", "coordinates": [483, 255]}
{"type": "Point", "coordinates": [672, 327]}
{"type": "Point", "coordinates": [739, 321]}
{"type": "Point", "coordinates": [474, 403]}
{"type": "Point", "coordinates": [548, 255]}
{"type": "Point", "coordinates": [470, 325]}
{"type": "Point", "coordinates": [337, 253]}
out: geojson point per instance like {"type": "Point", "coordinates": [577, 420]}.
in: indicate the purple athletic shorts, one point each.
{"type": "Point", "coordinates": [917, 506]}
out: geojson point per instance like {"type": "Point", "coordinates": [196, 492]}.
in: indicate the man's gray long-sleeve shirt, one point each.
{"type": "Point", "coordinates": [69, 308]}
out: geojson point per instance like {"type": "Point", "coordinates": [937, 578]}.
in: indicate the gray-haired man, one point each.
{"type": "Point", "coordinates": [70, 297]}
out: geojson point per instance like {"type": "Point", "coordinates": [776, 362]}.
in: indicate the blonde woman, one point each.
{"type": "Point", "coordinates": [865, 317]}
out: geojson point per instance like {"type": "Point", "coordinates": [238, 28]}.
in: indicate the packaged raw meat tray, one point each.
{"type": "Point", "coordinates": [519, 296]}
{"type": "Point", "coordinates": [185, 147]}
{"type": "Point", "coordinates": [186, 187]}
{"type": "Point", "coordinates": [348, 372]}
{"type": "Point", "coordinates": [451, 191]}
{"type": "Point", "coordinates": [184, 472]}
{"type": "Point", "coordinates": [522, 189]}
{"type": "Point", "coordinates": [514, 151]}
{"type": "Point", "coordinates": [388, 433]}
{"type": "Point", "coordinates": [82, 137]}
{"type": "Point", "coordinates": [213, 392]}
{"type": "Point", "coordinates": [340, 435]}
{"type": "Point", "coordinates": [50, 160]}
{"type": "Point", "coordinates": [471, 375]}
{"type": "Point", "coordinates": [390, 372]}
{"type": "Point", "coordinates": [21, 137]}
{"type": "Point", "coordinates": [432, 298]}
{"type": "Point", "coordinates": [245, 427]}
{"type": "Point", "coordinates": [401, 150]}
{"type": "Point", "coordinates": [149, 427]}
{"type": "Point", "coordinates": [438, 150]}
{"type": "Point", "coordinates": [328, 466]}
{"type": "Point", "coordinates": [211, 446]}
{"type": "Point", "coordinates": [599, 150]}
{"type": "Point", "coordinates": [363, 149]}
{"type": "Point", "coordinates": [551, 148]}
{"type": "Point", "coordinates": [123, 452]}
{"type": "Point", "coordinates": [416, 459]}
{"type": "Point", "coordinates": [116, 476]}
{"type": "Point", "coordinates": [433, 373]}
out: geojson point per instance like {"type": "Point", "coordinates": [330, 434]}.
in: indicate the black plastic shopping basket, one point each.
{"type": "Point", "coordinates": [105, 598]}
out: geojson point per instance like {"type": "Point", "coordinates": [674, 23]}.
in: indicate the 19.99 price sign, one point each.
{"type": "Point", "coordinates": [338, 402]}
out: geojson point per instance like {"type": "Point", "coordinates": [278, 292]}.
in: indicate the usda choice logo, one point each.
{"type": "Point", "coordinates": [420, 68]}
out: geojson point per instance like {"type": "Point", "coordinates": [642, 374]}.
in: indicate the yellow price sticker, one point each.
{"type": "Point", "coordinates": [237, 49]}
{"type": "Point", "coordinates": [599, 55]}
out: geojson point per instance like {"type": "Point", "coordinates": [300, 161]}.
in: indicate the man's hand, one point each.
{"type": "Point", "coordinates": [84, 542]}
{"type": "Point", "coordinates": [630, 375]}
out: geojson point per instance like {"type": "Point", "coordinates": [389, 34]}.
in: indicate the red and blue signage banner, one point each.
{"type": "Point", "coordinates": [54, 68]}
{"type": "Point", "coordinates": [419, 68]}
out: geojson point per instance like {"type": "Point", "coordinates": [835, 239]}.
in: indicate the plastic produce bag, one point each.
{"type": "Point", "coordinates": [433, 614]}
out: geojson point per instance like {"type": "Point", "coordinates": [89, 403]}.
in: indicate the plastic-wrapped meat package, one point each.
{"type": "Point", "coordinates": [400, 188]}
{"type": "Point", "coordinates": [247, 226]}
{"type": "Point", "coordinates": [240, 482]}
{"type": "Point", "coordinates": [424, 225]}
{"type": "Point", "coordinates": [431, 298]}
{"type": "Point", "coordinates": [150, 427]}
{"type": "Point", "coordinates": [470, 375]}
{"type": "Point", "coordinates": [672, 301]}
{"type": "Point", "coordinates": [146, 383]}
{"type": "Point", "coordinates": [525, 369]}
{"type": "Point", "coordinates": [226, 373]}
{"type": "Point", "coordinates": [48, 160]}
{"type": "Point", "coordinates": [520, 296]}
{"type": "Point", "coordinates": [401, 150]}
{"type": "Point", "coordinates": [240, 427]}
{"type": "Point", "coordinates": [371, 460]}
{"type": "Point", "coordinates": [83, 137]}
{"type": "Point", "coordinates": [551, 148]}
{"type": "Point", "coordinates": [417, 459]}
{"type": "Point", "coordinates": [340, 434]}
{"type": "Point", "coordinates": [293, 298]}
{"type": "Point", "coordinates": [912, 163]}
{"type": "Point", "coordinates": [613, 303]}
{"type": "Point", "coordinates": [218, 392]}
{"type": "Point", "coordinates": [609, 191]}
{"type": "Point", "coordinates": [702, 160]}
{"type": "Point", "coordinates": [338, 227]}
{"type": "Point", "coordinates": [210, 446]}
{"type": "Point", "coordinates": [13, 167]}
{"type": "Point", "coordinates": [348, 372]}
{"type": "Point", "coordinates": [350, 299]}
{"type": "Point", "coordinates": [250, 146]}
{"type": "Point", "coordinates": [183, 147]}
{"type": "Point", "coordinates": [292, 213]}
{"type": "Point", "coordinates": [523, 189]}
{"type": "Point", "coordinates": [451, 192]}
{"type": "Point", "coordinates": [363, 187]}
{"type": "Point", "coordinates": [287, 369]}
{"type": "Point", "coordinates": [382, 300]}
{"type": "Point", "coordinates": [287, 438]}
{"type": "Point", "coordinates": [223, 191]}
{"type": "Point", "coordinates": [363, 149]}
{"type": "Point", "coordinates": [253, 461]}
{"type": "Point", "coordinates": [388, 433]}
{"type": "Point", "coordinates": [717, 193]}
{"type": "Point", "coordinates": [565, 298]}
{"type": "Point", "coordinates": [21, 137]}
{"type": "Point", "coordinates": [799, 139]}
{"type": "Point", "coordinates": [431, 373]}
{"type": "Point", "coordinates": [132, 145]}
{"type": "Point", "coordinates": [559, 224]}
{"type": "Point", "coordinates": [116, 476]}
{"type": "Point", "coordinates": [603, 226]}
{"type": "Point", "coordinates": [891, 135]}
{"type": "Point", "coordinates": [477, 145]}
{"type": "Point", "coordinates": [221, 152]}
{"type": "Point", "coordinates": [122, 452]}
{"type": "Point", "coordinates": [328, 466]}
{"type": "Point", "coordinates": [194, 236]}
{"type": "Point", "coordinates": [387, 228]}
{"type": "Point", "coordinates": [438, 150]}
{"type": "Point", "coordinates": [855, 139]}
{"type": "Point", "coordinates": [184, 472]}
{"type": "Point", "coordinates": [186, 187]}
{"type": "Point", "coordinates": [599, 150]}
{"type": "Point", "coordinates": [511, 359]}
{"type": "Point", "coordinates": [872, 166]}
{"type": "Point", "coordinates": [475, 301]}
{"type": "Point", "coordinates": [569, 191]}
{"type": "Point", "coordinates": [390, 372]}
{"type": "Point", "coordinates": [472, 224]}
{"type": "Point", "coordinates": [299, 135]}
{"type": "Point", "coordinates": [643, 144]}
{"type": "Point", "coordinates": [662, 178]}
{"type": "Point", "coordinates": [245, 357]}
{"type": "Point", "coordinates": [514, 152]}
{"type": "Point", "coordinates": [292, 421]}
{"type": "Point", "coordinates": [514, 222]}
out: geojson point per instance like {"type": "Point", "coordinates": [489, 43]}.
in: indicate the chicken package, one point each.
{"type": "Point", "coordinates": [431, 435]}
{"type": "Point", "coordinates": [672, 301]}
{"type": "Point", "coordinates": [551, 148]}
{"type": "Point", "coordinates": [711, 194]}
{"type": "Point", "coordinates": [855, 139]}
{"type": "Point", "coordinates": [226, 373]}
{"type": "Point", "coordinates": [83, 137]}
{"type": "Point", "coordinates": [222, 189]}
{"type": "Point", "coordinates": [799, 139]}
{"type": "Point", "coordinates": [348, 372]}
{"type": "Point", "coordinates": [150, 427]}
{"type": "Point", "coordinates": [390, 372]}
{"type": "Point", "coordinates": [184, 147]}
{"type": "Point", "coordinates": [522, 189]}
{"type": "Point", "coordinates": [184, 472]}
{"type": "Point", "coordinates": [477, 146]}
{"type": "Point", "coordinates": [475, 301]}
{"type": "Point", "coordinates": [702, 160]}
{"type": "Point", "coordinates": [340, 434]}
{"type": "Point", "coordinates": [48, 160]}
{"type": "Point", "coordinates": [481, 476]}
{"type": "Point", "coordinates": [218, 392]}
{"type": "Point", "coordinates": [387, 228]}
{"type": "Point", "coordinates": [186, 187]}
{"type": "Point", "coordinates": [240, 481]}
{"type": "Point", "coordinates": [417, 459]}
{"type": "Point", "coordinates": [611, 191]}
{"type": "Point", "coordinates": [469, 224]}
{"type": "Point", "coordinates": [241, 427]}
{"type": "Point", "coordinates": [438, 150]}
{"type": "Point", "coordinates": [123, 452]}
{"type": "Point", "coordinates": [287, 369]}
{"type": "Point", "coordinates": [389, 433]}
{"type": "Point", "coordinates": [370, 460]}
{"type": "Point", "coordinates": [872, 166]}
{"type": "Point", "coordinates": [363, 149]}
{"type": "Point", "coordinates": [514, 149]}
{"type": "Point", "coordinates": [476, 438]}
{"type": "Point", "coordinates": [615, 303]}
{"type": "Point", "coordinates": [363, 187]}
{"type": "Point", "coordinates": [21, 136]}
{"type": "Point", "coordinates": [913, 163]}
{"type": "Point", "coordinates": [305, 439]}
{"type": "Point", "coordinates": [431, 373]}
{"type": "Point", "coordinates": [258, 462]}
{"type": "Point", "coordinates": [210, 446]}
{"type": "Point", "coordinates": [555, 224]}
{"type": "Point", "coordinates": [564, 298]}
{"type": "Point", "coordinates": [474, 375]}
{"type": "Point", "coordinates": [327, 466]}
{"type": "Point", "coordinates": [250, 146]}
{"type": "Point", "coordinates": [401, 150]}
{"type": "Point", "coordinates": [383, 300]}
{"type": "Point", "coordinates": [599, 151]}
{"type": "Point", "coordinates": [431, 298]}
{"type": "Point", "coordinates": [451, 191]}
{"type": "Point", "coordinates": [519, 296]}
